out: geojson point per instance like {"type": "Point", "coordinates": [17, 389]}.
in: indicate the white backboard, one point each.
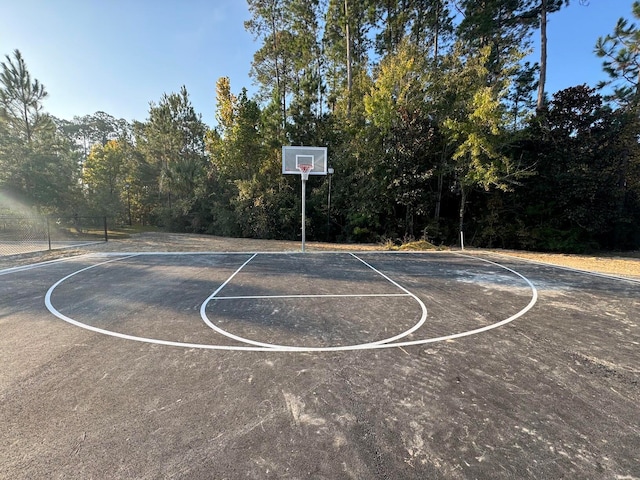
{"type": "Point", "coordinates": [292, 156]}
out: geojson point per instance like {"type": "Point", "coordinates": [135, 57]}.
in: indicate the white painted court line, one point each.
{"type": "Point", "coordinates": [238, 338]}
{"type": "Point", "coordinates": [256, 348]}
{"type": "Point", "coordinates": [178, 254]}
{"type": "Point", "coordinates": [224, 284]}
{"type": "Point", "coordinates": [382, 274]}
{"type": "Point", "coordinates": [570, 269]}
{"type": "Point", "coordinates": [532, 302]}
{"type": "Point", "coordinates": [420, 302]}
{"type": "Point", "coordinates": [135, 338]}
{"type": "Point", "coordinates": [327, 295]}
{"type": "Point", "coordinates": [32, 266]}
{"type": "Point", "coordinates": [61, 316]}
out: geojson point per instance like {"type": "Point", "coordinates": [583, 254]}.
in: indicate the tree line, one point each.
{"type": "Point", "coordinates": [434, 125]}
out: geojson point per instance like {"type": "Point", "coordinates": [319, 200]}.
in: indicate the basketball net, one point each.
{"type": "Point", "coordinates": [304, 170]}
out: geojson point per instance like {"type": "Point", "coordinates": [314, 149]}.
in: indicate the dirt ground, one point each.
{"type": "Point", "coordinates": [107, 369]}
{"type": "Point", "coordinates": [627, 264]}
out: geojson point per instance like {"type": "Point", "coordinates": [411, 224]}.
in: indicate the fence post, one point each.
{"type": "Point", "coordinates": [106, 236]}
{"type": "Point", "coordinates": [48, 232]}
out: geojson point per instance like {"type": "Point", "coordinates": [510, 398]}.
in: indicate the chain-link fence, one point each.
{"type": "Point", "coordinates": [33, 234]}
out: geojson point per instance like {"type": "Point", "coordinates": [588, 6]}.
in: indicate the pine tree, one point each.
{"type": "Point", "coordinates": [621, 53]}
{"type": "Point", "coordinates": [21, 99]}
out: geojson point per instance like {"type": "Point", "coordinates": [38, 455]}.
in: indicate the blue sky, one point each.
{"type": "Point", "coordinates": [118, 55]}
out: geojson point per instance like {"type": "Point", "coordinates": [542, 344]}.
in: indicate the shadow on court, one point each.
{"type": "Point", "coordinates": [553, 394]}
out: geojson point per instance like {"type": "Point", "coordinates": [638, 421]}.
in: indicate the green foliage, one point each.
{"type": "Point", "coordinates": [428, 118]}
{"type": "Point", "coordinates": [502, 27]}
{"type": "Point", "coordinates": [37, 163]}
{"type": "Point", "coordinates": [21, 100]}
{"type": "Point", "coordinates": [409, 166]}
{"type": "Point", "coordinates": [104, 178]}
{"type": "Point", "coordinates": [621, 53]}
{"type": "Point", "coordinates": [584, 195]}
{"type": "Point", "coordinates": [427, 25]}
{"type": "Point", "coordinates": [521, 93]}
{"type": "Point", "coordinates": [89, 130]}
{"type": "Point", "coordinates": [172, 142]}
{"type": "Point", "coordinates": [398, 85]}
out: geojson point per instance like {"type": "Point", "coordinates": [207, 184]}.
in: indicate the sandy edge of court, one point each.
{"type": "Point", "coordinates": [627, 264]}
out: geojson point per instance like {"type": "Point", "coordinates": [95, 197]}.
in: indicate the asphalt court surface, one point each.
{"type": "Point", "coordinates": [317, 365]}
{"type": "Point", "coordinates": [269, 300]}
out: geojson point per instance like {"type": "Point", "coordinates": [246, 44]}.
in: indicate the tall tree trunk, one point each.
{"type": "Point", "coordinates": [543, 55]}
{"type": "Point", "coordinates": [284, 97]}
{"type": "Point", "coordinates": [348, 41]}
{"type": "Point", "coordinates": [436, 34]}
{"type": "Point", "coordinates": [441, 172]}
{"type": "Point", "coordinates": [279, 75]}
{"type": "Point", "coordinates": [463, 205]}
{"type": "Point", "coordinates": [27, 127]}
{"type": "Point", "coordinates": [636, 98]}
{"type": "Point", "coordinates": [439, 197]}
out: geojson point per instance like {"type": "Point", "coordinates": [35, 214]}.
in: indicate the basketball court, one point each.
{"type": "Point", "coordinates": [317, 365]}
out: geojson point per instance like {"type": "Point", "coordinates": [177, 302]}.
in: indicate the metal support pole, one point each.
{"type": "Point", "coordinates": [304, 201]}
{"type": "Point", "coordinates": [330, 171]}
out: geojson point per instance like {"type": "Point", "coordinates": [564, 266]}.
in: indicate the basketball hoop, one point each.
{"type": "Point", "coordinates": [304, 168]}
{"type": "Point", "coordinates": [304, 161]}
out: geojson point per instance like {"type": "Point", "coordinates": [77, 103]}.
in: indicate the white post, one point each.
{"type": "Point", "coordinates": [461, 240]}
{"type": "Point", "coordinates": [304, 200]}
